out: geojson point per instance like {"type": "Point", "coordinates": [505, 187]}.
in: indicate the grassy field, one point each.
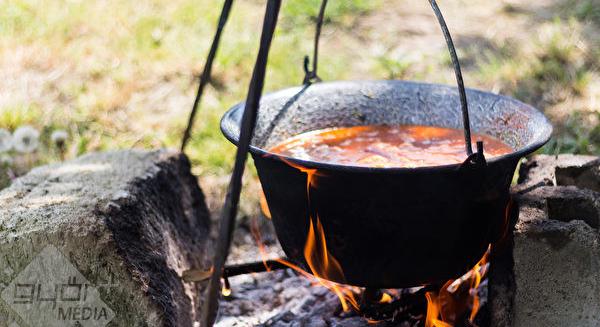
{"type": "Point", "coordinates": [121, 74]}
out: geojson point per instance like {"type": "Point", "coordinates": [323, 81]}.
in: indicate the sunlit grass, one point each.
{"type": "Point", "coordinates": [580, 134]}
{"type": "Point", "coordinates": [130, 68]}
{"type": "Point", "coordinates": [342, 12]}
{"type": "Point", "coordinates": [118, 48]}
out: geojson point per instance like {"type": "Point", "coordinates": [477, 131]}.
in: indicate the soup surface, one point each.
{"type": "Point", "coordinates": [386, 146]}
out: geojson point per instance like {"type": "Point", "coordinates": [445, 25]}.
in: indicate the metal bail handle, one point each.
{"type": "Point", "coordinates": [459, 78]}
{"type": "Point", "coordinates": [311, 75]}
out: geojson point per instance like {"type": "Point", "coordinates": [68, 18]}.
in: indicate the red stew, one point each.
{"type": "Point", "coordinates": [386, 146]}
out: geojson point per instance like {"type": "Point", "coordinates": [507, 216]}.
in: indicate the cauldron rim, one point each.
{"type": "Point", "coordinates": [515, 155]}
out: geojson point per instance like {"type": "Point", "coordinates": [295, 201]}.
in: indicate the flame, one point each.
{"type": "Point", "coordinates": [444, 308]}
{"type": "Point", "coordinates": [323, 266]}
{"type": "Point", "coordinates": [311, 175]}
{"type": "Point", "coordinates": [264, 205]}
{"type": "Point", "coordinates": [344, 293]}
{"type": "Point", "coordinates": [386, 298]}
{"type": "Point", "coordinates": [434, 311]}
{"type": "Point", "coordinates": [320, 261]}
{"type": "Point", "coordinates": [255, 231]}
{"type": "Point", "coordinates": [457, 297]}
{"type": "Point", "coordinates": [478, 273]}
{"type": "Point", "coordinates": [264, 254]}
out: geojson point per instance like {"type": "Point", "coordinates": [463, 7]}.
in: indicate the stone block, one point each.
{"type": "Point", "coordinates": [548, 272]}
{"type": "Point", "coordinates": [101, 241]}
{"type": "Point", "coordinates": [541, 169]}
{"type": "Point", "coordinates": [584, 176]}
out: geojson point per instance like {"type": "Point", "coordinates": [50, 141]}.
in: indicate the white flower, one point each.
{"type": "Point", "coordinates": [26, 139]}
{"type": "Point", "coordinates": [59, 137]}
{"type": "Point", "coordinates": [6, 141]}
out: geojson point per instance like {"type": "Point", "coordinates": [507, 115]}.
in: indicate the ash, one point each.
{"type": "Point", "coordinates": [283, 298]}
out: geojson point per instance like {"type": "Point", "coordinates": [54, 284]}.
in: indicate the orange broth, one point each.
{"type": "Point", "coordinates": [386, 146]}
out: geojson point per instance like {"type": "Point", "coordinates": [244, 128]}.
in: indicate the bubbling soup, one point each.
{"type": "Point", "coordinates": [386, 146]}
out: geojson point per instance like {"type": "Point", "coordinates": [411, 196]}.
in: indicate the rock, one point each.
{"type": "Point", "coordinates": [120, 225]}
{"type": "Point", "coordinates": [585, 176]}
{"type": "Point", "coordinates": [547, 273]}
{"type": "Point", "coordinates": [569, 203]}
{"type": "Point", "coordinates": [317, 322]}
{"type": "Point", "coordinates": [556, 274]}
{"type": "Point", "coordinates": [565, 203]}
{"type": "Point", "coordinates": [350, 322]}
{"type": "Point", "coordinates": [541, 169]}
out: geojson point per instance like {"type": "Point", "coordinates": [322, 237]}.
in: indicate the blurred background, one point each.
{"type": "Point", "coordinates": [108, 74]}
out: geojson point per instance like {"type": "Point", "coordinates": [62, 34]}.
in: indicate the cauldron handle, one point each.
{"type": "Point", "coordinates": [311, 76]}
{"type": "Point", "coordinates": [458, 73]}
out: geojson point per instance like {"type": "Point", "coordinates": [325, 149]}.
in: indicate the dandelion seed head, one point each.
{"type": "Point", "coordinates": [59, 136]}
{"type": "Point", "coordinates": [26, 139]}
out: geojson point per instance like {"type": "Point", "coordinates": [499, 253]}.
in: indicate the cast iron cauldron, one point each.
{"type": "Point", "coordinates": [390, 227]}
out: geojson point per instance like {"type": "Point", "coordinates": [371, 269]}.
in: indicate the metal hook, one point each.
{"type": "Point", "coordinates": [311, 76]}
{"type": "Point", "coordinates": [458, 73]}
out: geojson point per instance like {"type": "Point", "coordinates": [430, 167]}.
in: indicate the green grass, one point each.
{"type": "Point", "coordinates": [116, 57]}
{"type": "Point", "coordinates": [18, 115]}
{"type": "Point", "coordinates": [340, 12]}
{"type": "Point", "coordinates": [580, 134]}
{"type": "Point", "coordinates": [558, 72]}
{"type": "Point", "coordinates": [555, 69]}
{"type": "Point", "coordinates": [585, 10]}
{"type": "Point", "coordinates": [119, 48]}
{"type": "Point", "coordinates": [393, 67]}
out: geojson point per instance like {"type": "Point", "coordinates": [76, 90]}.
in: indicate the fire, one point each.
{"type": "Point", "coordinates": [323, 266]}
{"type": "Point", "coordinates": [255, 231]}
{"type": "Point", "coordinates": [434, 311]}
{"type": "Point", "coordinates": [264, 206]}
{"type": "Point", "coordinates": [457, 297]}
{"type": "Point", "coordinates": [386, 298]}
{"type": "Point", "coordinates": [478, 273]}
{"type": "Point", "coordinates": [320, 261]}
